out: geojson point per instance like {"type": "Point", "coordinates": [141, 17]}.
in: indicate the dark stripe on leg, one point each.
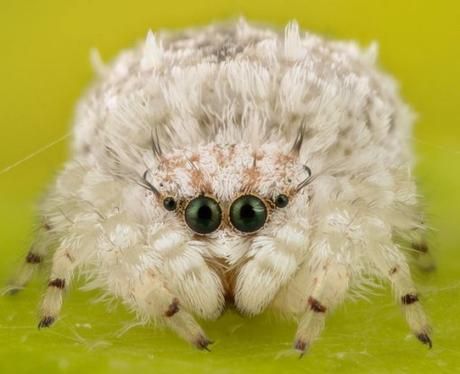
{"type": "Point", "coordinates": [316, 306]}
{"type": "Point", "coordinates": [32, 258]}
{"type": "Point", "coordinates": [58, 283]}
{"type": "Point", "coordinates": [173, 308]}
{"type": "Point", "coordinates": [420, 246]}
{"type": "Point", "coordinates": [408, 299]}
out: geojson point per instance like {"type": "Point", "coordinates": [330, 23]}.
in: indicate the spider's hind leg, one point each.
{"type": "Point", "coordinates": [32, 261]}
{"type": "Point", "coordinates": [424, 260]}
{"type": "Point", "coordinates": [418, 243]}
{"type": "Point", "coordinates": [393, 266]}
{"type": "Point", "coordinates": [414, 242]}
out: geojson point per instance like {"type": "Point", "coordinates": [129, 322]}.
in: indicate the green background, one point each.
{"type": "Point", "coordinates": [44, 48]}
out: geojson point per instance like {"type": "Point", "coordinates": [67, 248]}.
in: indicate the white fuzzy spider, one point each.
{"type": "Point", "coordinates": [280, 176]}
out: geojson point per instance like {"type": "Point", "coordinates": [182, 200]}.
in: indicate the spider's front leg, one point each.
{"type": "Point", "coordinates": [327, 285]}
{"type": "Point", "coordinates": [144, 292]}
{"type": "Point", "coordinates": [149, 295]}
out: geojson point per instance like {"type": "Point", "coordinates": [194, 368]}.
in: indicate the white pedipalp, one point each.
{"type": "Point", "coordinates": [273, 262]}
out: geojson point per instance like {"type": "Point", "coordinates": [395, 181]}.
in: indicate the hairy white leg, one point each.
{"type": "Point", "coordinates": [272, 263]}
{"type": "Point", "coordinates": [158, 303]}
{"type": "Point", "coordinates": [32, 261]}
{"type": "Point", "coordinates": [329, 282]}
{"type": "Point", "coordinates": [62, 268]}
{"type": "Point", "coordinates": [393, 266]}
{"type": "Point", "coordinates": [60, 205]}
{"type": "Point", "coordinates": [134, 271]}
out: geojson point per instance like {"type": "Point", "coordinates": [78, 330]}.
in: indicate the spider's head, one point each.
{"type": "Point", "coordinates": [232, 189]}
{"type": "Point", "coordinates": [217, 206]}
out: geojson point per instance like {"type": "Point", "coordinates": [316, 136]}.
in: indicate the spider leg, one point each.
{"type": "Point", "coordinates": [423, 257]}
{"type": "Point", "coordinates": [159, 303]}
{"type": "Point", "coordinates": [62, 268]}
{"type": "Point", "coordinates": [34, 258]}
{"type": "Point", "coordinates": [419, 244]}
{"type": "Point", "coordinates": [329, 282]}
{"type": "Point", "coordinates": [394, 267]}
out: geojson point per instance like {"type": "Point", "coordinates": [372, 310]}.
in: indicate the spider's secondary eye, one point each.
{"type": "Point", "coordinates": [281, 201]}
{"type": "Point", "coordinates": [203, 215]}
{"type": "Point", "coordinates": [169, 203]}
{"type": "Point", "coordinates": [248, 213]}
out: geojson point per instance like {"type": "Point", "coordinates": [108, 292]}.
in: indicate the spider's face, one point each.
{"type": "Point", "coordinates": [230, 190]}
{"type": "Point", "coordinates": [230, 206]}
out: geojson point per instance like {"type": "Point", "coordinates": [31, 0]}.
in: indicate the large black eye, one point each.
{"type": "Point", "coordinates": [248, 213]}
{"type": "Point", "coordinates": [203, 215]}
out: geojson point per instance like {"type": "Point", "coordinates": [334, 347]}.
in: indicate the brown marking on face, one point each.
{"type": "Point", "coordinates": [393, 270]}
{"type": "Point", "coordinates": [171, 163]}
{"type": "Point", "coordinates": [257, 155]}
{"type": "Point", "coordinates": [285, 159]}
{"type": "Point", "coordinates": [251, 179]}
{"type": "Point", "coordinates": [168, 178]}
{"type": "Point", "coordinates": [231, 151]}
{"type": "Point", "coordinates": [195, 158]}
{"type": "Point", "coordinates": [220, 155]}
{"type": "Point", "coordinates": [284, 162]}
{"type": "Point", "coordinates": [199, 181]}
